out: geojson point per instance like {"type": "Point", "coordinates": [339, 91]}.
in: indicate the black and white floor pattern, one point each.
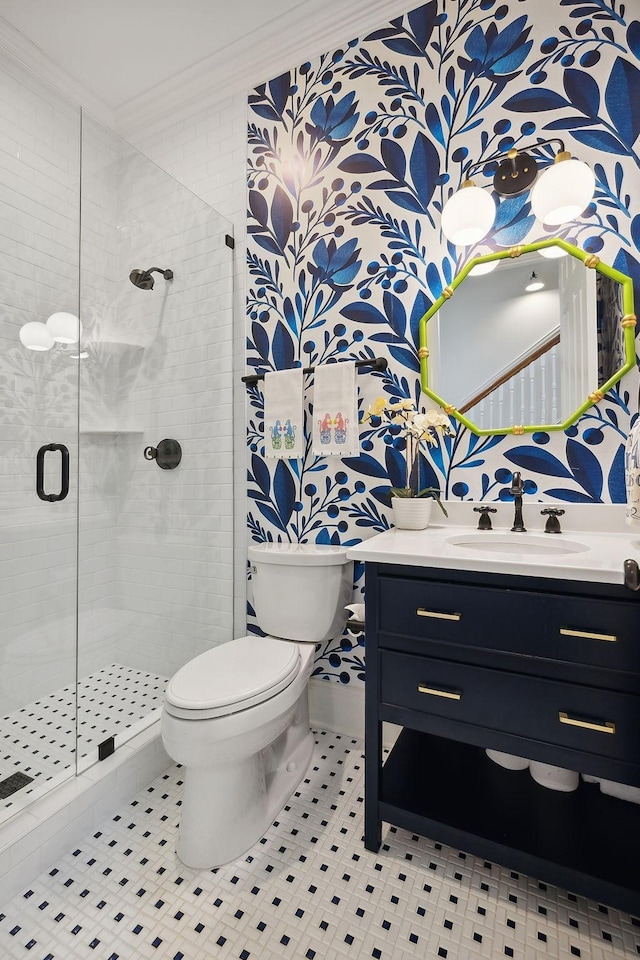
{"type": "Point", "coordinates": [307, 891]}
{"type": "Point", "coordinates": [39, 740]}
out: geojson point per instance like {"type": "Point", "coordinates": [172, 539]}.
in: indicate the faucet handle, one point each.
{"type": "Point", "coordinates": [553, 524]}
{"type": "Point", "coordinates": [484, 523]}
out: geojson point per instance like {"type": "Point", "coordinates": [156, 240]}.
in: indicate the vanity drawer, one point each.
{"type": "Point", "coordinates": [601, 722]}
{"type": "Point", "coordinates": [597, 633]}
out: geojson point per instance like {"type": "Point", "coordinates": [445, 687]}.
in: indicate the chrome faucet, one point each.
{"type": "Point", "coordinates": [516, 491]}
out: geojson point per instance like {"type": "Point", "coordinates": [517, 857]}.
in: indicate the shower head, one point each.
{"type": "Point", "coordinates": [144, 280]}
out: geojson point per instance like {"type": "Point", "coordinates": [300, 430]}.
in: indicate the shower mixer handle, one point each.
{"type": "Point", "coordinates": [167, 454]}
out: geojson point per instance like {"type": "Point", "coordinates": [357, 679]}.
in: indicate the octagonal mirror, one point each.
{"type": "Point", "coordinates": [528, 338]}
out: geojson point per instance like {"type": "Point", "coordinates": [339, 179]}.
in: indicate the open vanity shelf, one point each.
{"type": "Point", "coordinates": [584, 841]}
{"type": "Point", "coordinates": [465, 660]}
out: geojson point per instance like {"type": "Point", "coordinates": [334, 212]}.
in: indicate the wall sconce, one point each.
{"type": "Point", "coordinates": [481, 269]}
{"type": "Point", "coordinates": [560, 193]}
{"type": "Point", "coordinates": [35, 336]}
{"type": "Point", "coordinates": [64, 327]}
{"type": "Point", "coordinates": [552, 253]}
{"type": "Point", "coordinates": [60, 328]}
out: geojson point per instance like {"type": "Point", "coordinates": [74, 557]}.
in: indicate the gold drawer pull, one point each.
{"type": "Point", "coordinates": [607, 727]}
{"type": "Point", "coordinates": [434, 692]}
{"type": "Point", "coordinates": [421, 612]}
{"type": "Point", "coordinates": [587, 636]}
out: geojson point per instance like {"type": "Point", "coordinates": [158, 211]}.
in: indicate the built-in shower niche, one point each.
{"type": "Point", "coordinates": [109, 371]}
{"type": "Point", "coordinates": [109, 438]}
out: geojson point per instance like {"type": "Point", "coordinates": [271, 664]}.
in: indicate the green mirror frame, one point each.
{"type": "Point", "coordinates": [592, 262]}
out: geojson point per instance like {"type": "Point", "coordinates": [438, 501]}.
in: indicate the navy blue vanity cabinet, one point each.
{"type": "Point", "coordinates": [541, 668]}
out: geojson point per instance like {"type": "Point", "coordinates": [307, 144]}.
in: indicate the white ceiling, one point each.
{"type": "Point", "coordinates": [120, 49]}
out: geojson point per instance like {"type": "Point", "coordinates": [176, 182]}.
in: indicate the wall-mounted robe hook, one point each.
{"type": "Point", "coordinates": [167, 454]}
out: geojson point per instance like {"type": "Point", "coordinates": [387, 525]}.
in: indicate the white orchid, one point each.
{"type": "Point", "coordinates": [428, 425]}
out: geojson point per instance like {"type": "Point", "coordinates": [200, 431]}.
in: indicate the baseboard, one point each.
{"type": "Point", "coordinates": [337, 707]}
{"type": "Point", "coordinates": [35, 837]}
{"type": "Point", "coordinates": [334, 706]}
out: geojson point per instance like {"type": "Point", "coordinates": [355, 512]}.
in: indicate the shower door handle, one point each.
{"type": "Point", "coordinates": [64, 479]}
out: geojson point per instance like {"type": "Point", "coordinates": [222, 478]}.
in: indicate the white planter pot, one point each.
{"type": "Point", "coordinates": [411, 513]}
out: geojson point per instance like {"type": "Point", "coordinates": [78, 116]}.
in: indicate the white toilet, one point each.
{"type": "Point", "coordinates": [237, 716]}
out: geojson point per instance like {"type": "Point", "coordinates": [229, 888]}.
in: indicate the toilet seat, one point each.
{"type": "Point", "coordinates": [231, 677]}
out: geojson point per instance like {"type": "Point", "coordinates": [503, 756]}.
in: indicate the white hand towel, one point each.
{"type": "Point", "coordinates": [632, 474]}
{"type": "Point", "coordinates": [335, 410]}
{"type": "Point", "coordinates": [283, 414]}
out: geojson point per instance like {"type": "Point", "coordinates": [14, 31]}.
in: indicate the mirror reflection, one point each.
{"type": "Point", "coordinates": [526, 340]}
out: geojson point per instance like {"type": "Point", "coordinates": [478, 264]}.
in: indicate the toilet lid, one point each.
{"type": "Point", "coordinates": [233, 676]}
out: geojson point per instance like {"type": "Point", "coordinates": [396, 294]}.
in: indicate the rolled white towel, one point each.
{"type": "Point", "coordinates": [620, 790]}
{"type": "Point", "coordinates": [588, 778]}
{"type": "Point", "coordinates": [555, 778]}
{"type": "Point", "coordinates": [507, 760]}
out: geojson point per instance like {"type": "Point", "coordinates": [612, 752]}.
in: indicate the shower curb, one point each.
{"type": "Point", "coordinates": [34, 838]}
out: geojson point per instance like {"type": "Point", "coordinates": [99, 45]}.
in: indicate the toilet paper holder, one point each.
{"type": "Point", "coordinates": [355, 624]}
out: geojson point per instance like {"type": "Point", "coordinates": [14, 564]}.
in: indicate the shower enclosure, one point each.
{"type": "Point", "coordinates": [114, 572]}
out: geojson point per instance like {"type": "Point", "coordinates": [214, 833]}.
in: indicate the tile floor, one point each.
{"type": "Point", "coordinates": [307, 891]}
{"type": "Point", "coordinates": [39, 739]}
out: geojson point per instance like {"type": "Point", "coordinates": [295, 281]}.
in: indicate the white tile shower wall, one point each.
{"type": "Point", "coordinates": [206, 150]}
{"type": "Point", "coordinates": [39, 198]}
{"type": "Point", "coordinates": [98, 602]}
{"type": "Point", "coordinates": [175, 531]}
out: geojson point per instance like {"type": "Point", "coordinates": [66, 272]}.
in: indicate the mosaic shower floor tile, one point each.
{"type": "Point", "coordinates": [39, 740]}
{"type": "Point", "coordinates": [308, 890]}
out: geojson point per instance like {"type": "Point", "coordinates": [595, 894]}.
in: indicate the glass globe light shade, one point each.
{"type": "Point", "coordinates": [35, 336]}
{"type": "Point", "coordinates": [563, 191]}
{"type": "Point", "coordinates": [552, 253]}
{"type": "Point", "coordinates": [482, 268]}
{"type": "Point", "coordinates": [468, 215]}
{"type": "Point", "coordinates": [64, 327]}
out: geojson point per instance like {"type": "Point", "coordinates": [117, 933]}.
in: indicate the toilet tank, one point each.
{"type": "Point", "coordinates": [300, 589]}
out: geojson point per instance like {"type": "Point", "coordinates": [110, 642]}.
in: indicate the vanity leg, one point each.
{"type": "Point", "coordinates": [372, 776]}
{"type": "Point", "coordinates": [372, 722]}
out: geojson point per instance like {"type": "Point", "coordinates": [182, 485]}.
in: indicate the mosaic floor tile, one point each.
{"type": "Point", "coordinates": [39, 740]}
{"type": "Point", "coordinates": [308, 890]}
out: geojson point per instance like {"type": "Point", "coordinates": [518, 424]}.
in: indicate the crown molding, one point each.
{"type": "Point", "coordinates": [310, 30]}
{"type": "Point", "coordinates": [27, 53]}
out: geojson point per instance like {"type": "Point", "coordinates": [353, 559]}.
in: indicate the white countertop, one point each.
{"type": "Point", "coordinates": [595, 538]}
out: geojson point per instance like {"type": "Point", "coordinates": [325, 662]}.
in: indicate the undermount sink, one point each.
{"type": "Point", "coordinates": [551, 545]}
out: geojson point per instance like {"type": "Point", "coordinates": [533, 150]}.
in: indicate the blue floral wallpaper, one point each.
{"type": "Point", "coordinates": [351, 159]}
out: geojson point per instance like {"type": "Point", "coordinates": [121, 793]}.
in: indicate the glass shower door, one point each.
{"type": "Point", "coordinates": [155, 545]}
{"type": "Point", "coordinates": [39, 276]}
